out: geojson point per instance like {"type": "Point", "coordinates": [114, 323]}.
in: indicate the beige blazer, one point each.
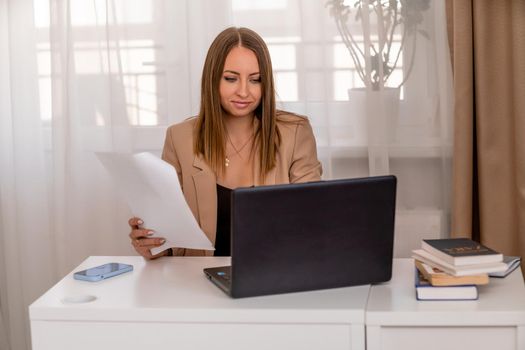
{"type": "Point", "coordinates": [296, 162]}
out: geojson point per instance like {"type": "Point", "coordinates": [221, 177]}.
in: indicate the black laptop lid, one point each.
{"type": "Point", "coordinates": [299, 237]}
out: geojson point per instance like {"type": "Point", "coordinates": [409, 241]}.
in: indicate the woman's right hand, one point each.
{"type": "Point", "coordinates": [142, 241]}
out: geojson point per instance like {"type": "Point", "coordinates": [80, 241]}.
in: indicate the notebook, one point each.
{"type": "Point", "coordinates": [309, 236]}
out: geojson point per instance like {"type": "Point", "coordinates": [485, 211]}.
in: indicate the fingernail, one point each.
{"type": "Point", "coordinates": [150, 233]}
{"type": "Point", "coordinates": [140, 222]}
{"type": "Point", "coordinates": [162, 241]}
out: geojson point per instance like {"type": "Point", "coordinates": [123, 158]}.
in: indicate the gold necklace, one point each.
{"type": "Point", "coordinates": [237, 150]}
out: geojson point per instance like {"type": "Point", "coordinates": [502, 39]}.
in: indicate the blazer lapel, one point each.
{"type": "Point", "coordinates": [206, 192]}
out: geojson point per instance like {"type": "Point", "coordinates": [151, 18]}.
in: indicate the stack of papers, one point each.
{"type": "Point", "coordinates": [151, 188]}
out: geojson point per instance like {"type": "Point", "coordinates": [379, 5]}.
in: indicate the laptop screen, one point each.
{"type": "Point", "coordinates": [326, 234]}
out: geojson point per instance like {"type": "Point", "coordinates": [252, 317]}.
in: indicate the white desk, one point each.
{"type": "Point", "coordinates": [169, 303]}
{"type": "Point", "coordinates": [396, 320]}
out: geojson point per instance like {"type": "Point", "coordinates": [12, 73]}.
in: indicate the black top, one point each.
{"type": "Point", "coordinates": [222, 239]}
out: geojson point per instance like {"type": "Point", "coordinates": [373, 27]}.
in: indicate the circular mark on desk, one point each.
{"type": "Point", "coordinates": [78, 299]}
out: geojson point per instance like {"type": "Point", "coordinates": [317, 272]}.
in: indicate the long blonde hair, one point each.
{"type": "Point", "coordinates": [210, 130]}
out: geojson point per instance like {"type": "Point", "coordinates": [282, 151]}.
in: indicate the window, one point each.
{"type": "Point", "coordinates": [115, 48]}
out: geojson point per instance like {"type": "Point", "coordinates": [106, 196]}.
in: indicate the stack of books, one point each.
{"type": "Point", "coordinates": [451, 269]}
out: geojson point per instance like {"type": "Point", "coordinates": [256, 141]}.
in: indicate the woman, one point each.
{"type": "Point", "coordinates": [238, 139]}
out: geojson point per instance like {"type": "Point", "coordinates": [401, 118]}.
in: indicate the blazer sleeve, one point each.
{"type": "Point", "coordinates": [169, 154]}
{"type": "Point", "coordinates": [305, 166]}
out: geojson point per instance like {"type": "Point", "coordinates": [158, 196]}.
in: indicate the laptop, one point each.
{"type": "Point", "coordinates": [309, 236]}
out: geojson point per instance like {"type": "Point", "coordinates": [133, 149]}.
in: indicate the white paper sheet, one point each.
{"type": "Point", "coordinates": [151, 188]}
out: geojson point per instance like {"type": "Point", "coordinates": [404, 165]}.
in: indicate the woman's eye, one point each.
{"type": "Point", "coordinates": [230, 79]}
{"type": "Point", "coordinates": [255, 81]}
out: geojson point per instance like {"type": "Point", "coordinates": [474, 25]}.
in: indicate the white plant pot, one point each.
{"type": "Point", "coordinates": [376, 113]}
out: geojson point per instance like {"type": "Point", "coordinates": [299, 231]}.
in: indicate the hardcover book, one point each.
{"type": "Point", "coordinates": [426, 291]}
{"type": "Point", "coordinates": [512, 263]}
{"type": "Point", "coordinates": [436, 277]}
{"type": "Point", "coordinates": [461, 251]}
{"type": "Point", "coordinates": [465, 270]}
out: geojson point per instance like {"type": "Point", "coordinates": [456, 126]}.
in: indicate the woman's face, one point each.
{"type": "Point", "coordinates": [240, 87]}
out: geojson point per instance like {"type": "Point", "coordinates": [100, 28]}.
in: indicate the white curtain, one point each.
{"type": "Point", "coordinates": [78, 76]}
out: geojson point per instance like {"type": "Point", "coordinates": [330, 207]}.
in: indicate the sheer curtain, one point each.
{"type": "Point", "coordinates": [79, 76]}
{"type": "Point", "coordinates": [358, 132]}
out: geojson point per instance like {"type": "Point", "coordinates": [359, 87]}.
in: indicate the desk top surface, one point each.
{"type": "Point", "coordinates": [501, 302]}
{"type": "Point", "coordinates": [175, 289]}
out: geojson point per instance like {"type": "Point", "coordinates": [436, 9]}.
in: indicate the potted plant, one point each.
{"type": "Point", "coordinates": [389, 29]}
{"type": "Point", "coordinates": [376, 61]}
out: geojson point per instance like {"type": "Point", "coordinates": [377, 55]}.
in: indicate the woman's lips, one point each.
{"type": "Point", "coordinates": [241, 104]}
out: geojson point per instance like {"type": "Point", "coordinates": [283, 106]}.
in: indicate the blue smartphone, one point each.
{"type": "Point", "coordinates": [102, 272]}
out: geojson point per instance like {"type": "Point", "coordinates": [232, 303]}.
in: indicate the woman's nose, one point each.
{"type": "Point", "coordinates": [242, 89]}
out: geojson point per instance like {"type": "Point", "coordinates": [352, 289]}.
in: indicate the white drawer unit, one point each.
{"type": "Point", "coordinates": [169, 302]}
{"type": "Point", "coordinates": [396, 320]}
